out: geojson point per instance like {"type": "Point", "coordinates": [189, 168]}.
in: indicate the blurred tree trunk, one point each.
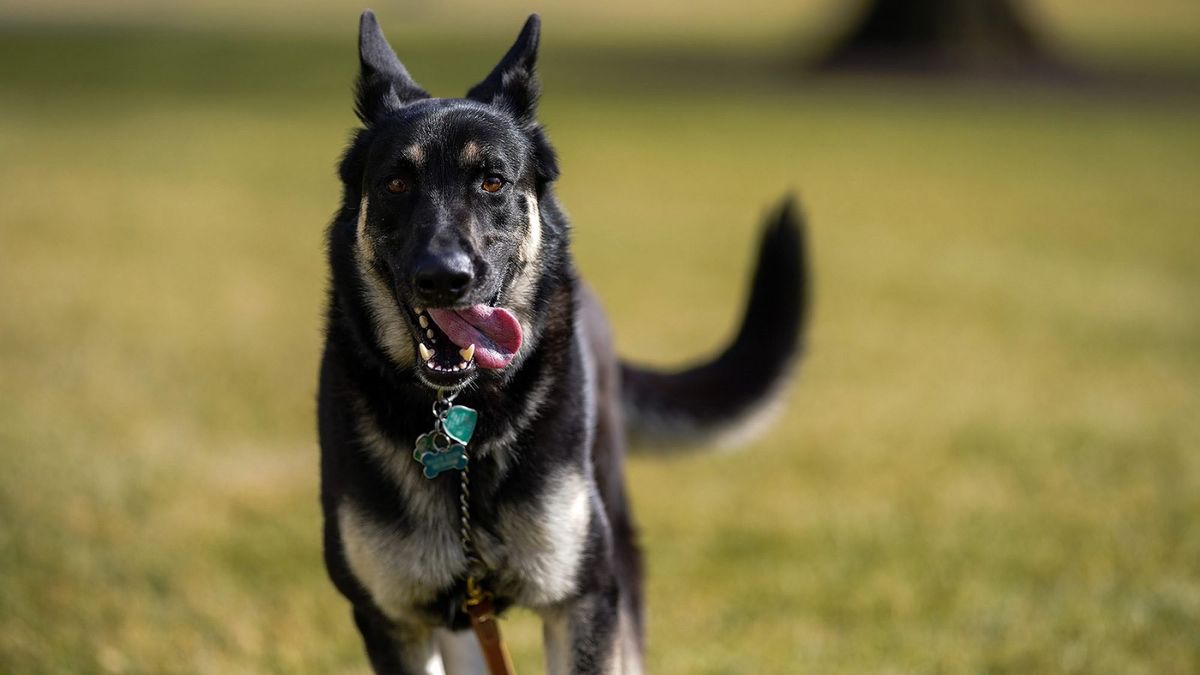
{"type": "Point", "coordinates": [940, 35]}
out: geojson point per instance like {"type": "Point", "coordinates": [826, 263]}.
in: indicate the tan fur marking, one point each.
{"type": "Point", "coordinates": [533, 236]}
{"type": "Point", "coordinates": [401, 571]}
{"type": "Point", "coordinates": [519, 296]}
{"type": "Point", "coordinates": [545, 542]}
{"type": "Point", "coordinates": [365, 250]}
{"type": "Point", "coordinates": [391, 329]}
{"type": "Point", "coordinates": [398, 572]}
{"type": "Point", "coordinates": [471, 152]}
{"type": "Point", "coordinates": [416, 153]}
{"type": "Point", "coordinates": [629, 655]}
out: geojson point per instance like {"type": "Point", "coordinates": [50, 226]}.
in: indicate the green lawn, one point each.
{"type": "Point", "coordinates": [990, 462]}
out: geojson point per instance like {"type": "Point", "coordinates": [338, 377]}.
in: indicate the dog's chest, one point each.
{"type": "Point", "coordinates": [533, 547]}
{"type": "Point", "coordinates": [402, 564]}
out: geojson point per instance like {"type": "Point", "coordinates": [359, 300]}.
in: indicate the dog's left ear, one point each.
{"type": "Point", "coordinates": [512, 84]}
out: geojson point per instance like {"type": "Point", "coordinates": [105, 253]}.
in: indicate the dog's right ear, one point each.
{"type": "Point", "coordinates": [384, 85]}
{"type": "Point", "coordinates": [513, 84]}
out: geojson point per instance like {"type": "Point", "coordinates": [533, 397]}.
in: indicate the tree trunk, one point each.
{"type": "Point", "coordinates": [940, 35]}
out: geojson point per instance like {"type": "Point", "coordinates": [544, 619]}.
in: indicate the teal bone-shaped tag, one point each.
{"type": "Point", "coordinates": [459, 423]}
{"type": "Point", "coordinates": [455, 457]}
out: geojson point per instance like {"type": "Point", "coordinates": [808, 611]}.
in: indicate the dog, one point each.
{"type": "Point", "coordinates": [452, 279]}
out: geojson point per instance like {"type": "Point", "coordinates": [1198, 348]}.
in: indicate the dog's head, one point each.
{"type": "Point", "coordinates": [449, 228]}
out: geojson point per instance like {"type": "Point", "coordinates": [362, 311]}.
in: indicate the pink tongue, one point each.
{"type": "Point", "coordinates": [494, 331]}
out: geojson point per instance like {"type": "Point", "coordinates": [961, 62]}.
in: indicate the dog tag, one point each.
{"type": "Point", "coordinates": [437, 462]}
{"type": "Point", "coordinates": [459, 423]}
{"type": "Point", "coordinates": [424, 445]}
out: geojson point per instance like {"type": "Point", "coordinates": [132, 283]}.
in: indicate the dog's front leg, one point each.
{"type": "Point", "coordinates": [581, 636]}
{"type": "Point", "coordinates": [398, 649]}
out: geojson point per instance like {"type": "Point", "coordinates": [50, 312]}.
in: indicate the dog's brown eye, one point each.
{"type": "Point", "coordinates": [492, 184]}
{"type": "Point", "coordinates": [397, 186]}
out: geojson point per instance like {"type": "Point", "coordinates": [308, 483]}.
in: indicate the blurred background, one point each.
{"type": "Point", "coordinates": [989, 463]}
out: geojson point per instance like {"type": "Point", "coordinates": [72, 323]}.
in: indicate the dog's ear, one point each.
{"type": "Point", "coordinates": [512, 84]}
{"type": "Point", "coordinates": [384, 85]}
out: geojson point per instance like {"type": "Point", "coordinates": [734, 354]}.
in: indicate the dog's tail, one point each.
{"type": "Point", "coordinates": [726, 396]}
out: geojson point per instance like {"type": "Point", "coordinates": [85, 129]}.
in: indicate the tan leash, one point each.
{"type": "Point", "coordinates": [478, 606]}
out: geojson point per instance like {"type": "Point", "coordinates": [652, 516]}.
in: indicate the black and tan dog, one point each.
{"type": "Point", "coordinates": [451, 272]}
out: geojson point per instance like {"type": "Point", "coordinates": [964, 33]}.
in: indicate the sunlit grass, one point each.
{"type": "Point", "coordinates": [988, 463]}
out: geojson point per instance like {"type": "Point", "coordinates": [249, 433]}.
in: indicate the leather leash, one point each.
{"type": "Point", "coordinates": [478, 606]}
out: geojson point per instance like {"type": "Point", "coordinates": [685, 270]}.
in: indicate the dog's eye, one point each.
{"type": "Point", "coordinates": [492, 184]}
{"type": "Point", "coordinates": [397, 186]}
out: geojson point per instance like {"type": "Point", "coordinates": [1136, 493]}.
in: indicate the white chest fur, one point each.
{"type": "Point", "coordinates": [400, 570]}
{"type": "Point", "coordinates": [541, 545]}
{"type": "Point", "coordinates": [536, 551]}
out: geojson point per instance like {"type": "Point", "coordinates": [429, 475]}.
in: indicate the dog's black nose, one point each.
{"type": "Point", "coordinates": [444, 279]}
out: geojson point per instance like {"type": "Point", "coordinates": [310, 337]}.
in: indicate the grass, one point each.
{"type": "Point", "coordinates": [988, 464]}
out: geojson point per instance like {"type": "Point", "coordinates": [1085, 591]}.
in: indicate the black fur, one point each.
{"type": "Point", "coordinates": [667, 407]}
{"type": "Point", "coordinates": [546, 470]}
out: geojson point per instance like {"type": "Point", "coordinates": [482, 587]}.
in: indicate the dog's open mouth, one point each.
{"type": "Point", "coordinates": [454, 342]}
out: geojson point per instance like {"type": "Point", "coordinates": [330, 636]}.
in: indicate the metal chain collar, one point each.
{"type": "Point", "coordinates": [476, 567]}
{"type": "Point", "coordinates": [457, 423]}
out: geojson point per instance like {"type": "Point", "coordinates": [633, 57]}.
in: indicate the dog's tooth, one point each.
{"type": "Point", "coordinates": [419, 310]}
{"type": "Point", "coordinates": [424, 321]}
{"type": "Point", "coordinates": [429, 333]}
{"type": "Point", "coordinates": [462, 366]}
{"type": "Point", "coordinates": [468, 353]}
{"type": "Point", "coordinates": [426, 353]}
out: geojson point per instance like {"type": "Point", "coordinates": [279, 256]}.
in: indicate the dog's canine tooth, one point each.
{"type": "Point", "coordinates": [468, 353]}
{"type": "Point", "coordinates": [424, 321]}
{"type": "Point", "coordinates": [426, 353]}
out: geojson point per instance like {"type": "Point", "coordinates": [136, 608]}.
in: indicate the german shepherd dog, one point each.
{"type": "Point", "coordinates": [451, 273]}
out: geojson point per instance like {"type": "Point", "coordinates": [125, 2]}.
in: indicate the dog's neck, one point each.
{"type": "Point", "coordinates": [507, 401]}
